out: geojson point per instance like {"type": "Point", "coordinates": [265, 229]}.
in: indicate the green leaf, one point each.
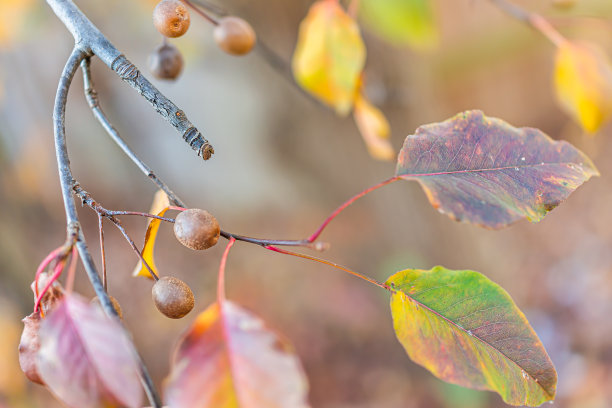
{"type": "Point", "coordinates": [402, 22]}
{"type": "Point", "coordinates": [484, 171]}
{"type": "Point", "coordinates": [466, 330]}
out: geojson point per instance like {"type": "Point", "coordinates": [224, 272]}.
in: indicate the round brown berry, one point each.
{"type": "Point", "coordinates": [166, 62]}
{"type": "Point", "coordinates": [172, 297]}
{"type": "Point", "coordinates": [234, 35]}
{"type": "Point", "coordinates": [114, 302]}
{"type": "Point", "coordinates": [196, 229]}
{"type": "Point", "coordinates": [171, 18]}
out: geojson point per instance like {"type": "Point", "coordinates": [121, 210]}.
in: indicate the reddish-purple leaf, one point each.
{"type": "Point", "coordinates": [230, 359]}
{"type": "Point", "coordinates": [86, 359]}
{"type": "Point", "coordinates": [484, 171]}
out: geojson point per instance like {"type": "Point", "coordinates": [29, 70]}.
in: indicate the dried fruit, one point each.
{"type": "Point", "coordinates": [171, 18]}
{"type": "Point", "coordinates": [234, 35]}
{"type": "Point", "coordinates": [166, 62]}
{"type": "Point", "coordinates": [196, 229]}
{"type": "Point", "coordinates": [173, 297]}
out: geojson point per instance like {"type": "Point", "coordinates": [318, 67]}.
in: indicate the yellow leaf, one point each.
{"type": "Point", "coordinates": [374, 129]}
{"type": "Point", "coordinates": [12, 16]}
{"type": "Point", "coordinates": [330, 55]}
{"type": "Point", "coordinates": [583, 79]}
{"type": "Point", "coordinates": [160, 206]}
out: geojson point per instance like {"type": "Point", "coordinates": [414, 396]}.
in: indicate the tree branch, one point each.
{"type": "Point", "coordinates": [92, 98]}
{"type": "Point", "coordinates": [90, 39]}
{"type": "Point", "coordinates": [73, 226]}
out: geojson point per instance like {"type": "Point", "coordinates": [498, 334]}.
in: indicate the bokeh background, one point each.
{"type": "Point", "coordinates": [282, 163]}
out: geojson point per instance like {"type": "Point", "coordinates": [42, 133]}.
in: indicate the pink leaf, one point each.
{"type": "Point", "coordinates": [86, 359]}
{"type": "Point", "coordinates": [229, 358]}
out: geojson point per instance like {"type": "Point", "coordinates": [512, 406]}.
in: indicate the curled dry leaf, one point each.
{"type": "Point", "coordinates": [228, 358]}
{"type": "Point", "coordinates": [466, 330]}
{"type": "Point", "coordinates": [28, 347]}
{"type": "Point", "coordinates": [86, 358]}
{"type": "Point", "coordinates": [52, 297]}
{"type": "Point", "coordinates": [374, 129]}
{"type": "Point", "coordinates": [484, 171]}
{"type": "Point", "coordinates": [583, 80]}
{"type": "Point", "coordinates": [330, 55]}
{"type": "Point", "coordinates": [159, 207]}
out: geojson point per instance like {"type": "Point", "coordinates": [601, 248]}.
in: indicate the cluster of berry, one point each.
{"type": "Point", "coordinates": [171, 18]}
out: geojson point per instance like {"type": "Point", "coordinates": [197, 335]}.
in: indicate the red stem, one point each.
{"type": "Point", "coordinates": [48, 259]}
{"type": "Point", "coordinates": [332, 264]}
{"type": "Point", "coordinates": [221, 279]}
{"type": "Point", "coordinates": [542, 25]}
{"type": "Point", "coordinates": [338, 210]}
{"type": "Point", "coordinates": [57, 271]}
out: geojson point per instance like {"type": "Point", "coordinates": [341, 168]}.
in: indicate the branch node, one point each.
{"type": "Point", "coordinates": [124, 68]}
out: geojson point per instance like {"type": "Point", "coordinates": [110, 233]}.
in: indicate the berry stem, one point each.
{"type": "Point", "coordinates": [221, 278]}
{"type": "Point", "coordinates": [134, 247]}
{"type": "Point", "coordinates": [534, 20]}
{"type": "Point", "coordinates": [143, 214]}
{"type": "Point", "coordinates": [350, 201]}
{"type": "Point", "coordinates": [318, 246]}
{"type": "Point", "coordinates": [102, 251]}
{"type": "Point", "coordinates": [332, 264]}
{"type": "Point", "coordinates": [201, 12]}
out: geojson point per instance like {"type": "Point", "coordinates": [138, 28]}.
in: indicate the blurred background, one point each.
{"type": "Point", "coordinates": [282, 164]}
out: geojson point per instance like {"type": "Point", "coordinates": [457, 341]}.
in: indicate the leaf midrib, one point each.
{"type": "Point", "coordinates": [442, 173]}
{"type": "Point", "coordinates": [424, 306]}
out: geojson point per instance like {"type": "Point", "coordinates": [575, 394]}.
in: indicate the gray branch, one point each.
{"type": "Point", "coordinates": [74, 229]}
{"type": "Point", "coordinates": [90, 39]}
{"type": "Point", "coordinates": [92, 98]}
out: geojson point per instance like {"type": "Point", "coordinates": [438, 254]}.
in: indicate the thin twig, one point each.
{"type": "Point", "coordinates": [117, 223]}
{"type": "Point", "coordinates": [66, 183]}
{"type": "Point", "coordinates": [534, 20]}
{"type": "Point", "coordinates": [221, 277]}
{"type": "Point", "coordinates": [347, 203]}
{"type": "Point", "coordinates": [201, 12]}
{"type": "Point", "coordinates": [102, 251]}
{"type": "Point", "coordinates": [87, 199]}
{"type": "Point", "coordinates": [332, 264]}
{"type": "Point", "coordinates": [92, 98]}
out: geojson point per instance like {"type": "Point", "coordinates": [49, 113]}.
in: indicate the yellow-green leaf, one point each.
{"type": "Point", "coordinates": [466, 330]}
{"type": "Point", "coordinates": [374, 129]}
{"type": "Point", "coordinates": [160, 206]}
{"type": "Point", "coordinates": [402, 22]}
{"type": "Point", "coordinates": [330, 55]}
{"type": "Point", "coordinates": [583, 79]}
